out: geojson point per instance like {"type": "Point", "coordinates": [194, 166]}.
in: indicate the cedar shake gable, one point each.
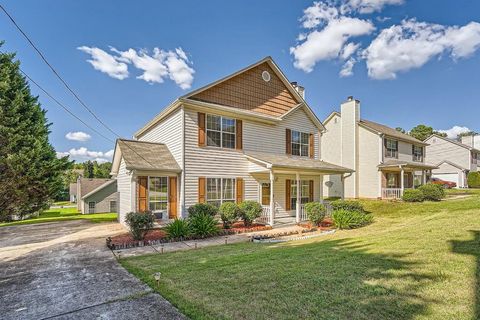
{"type": "Point", "coordinates": [248, 91]}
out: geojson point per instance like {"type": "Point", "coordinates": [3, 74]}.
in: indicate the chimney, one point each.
{"type": "Point", "coordinates": [350, 111]}
{"type": "Point", "coordinates": [300, 89]}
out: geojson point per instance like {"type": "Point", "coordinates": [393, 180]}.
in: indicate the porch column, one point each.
{"type": "Point", "coordinates": [424, 177]}
{"type": "Point", "coordinates": [320, 189]}
{"type": "Point", "coordinates": [297, 211]}
{"type": "Point", "coordinates": [272, 202]}
{"type": "Point", "coordinates": [402, 181]}
{"type": "Point", "coordinates": [342, 179]}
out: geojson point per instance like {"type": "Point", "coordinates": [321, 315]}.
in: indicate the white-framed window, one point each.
{"type": "Point", "coordinates": [392, 180]}
{"type": "Point", "coordinates": [304, 193]}
{"type": "Point", "coordinates": [113, 206]}
{"type": "Point", "coordinates": [220, 190]}
{"type": "Point", "coordinates": [391, 148]}
{"type": "Point", "coordinates": [220, 132]}
{"type": "Point", "coordinates": [91, 206]}
{"type": "Point", "coordinates": [474, 157]}
{"type": "Point", "coordinates": [300, 143]}
{"type": "Point", "coordinates": [417, 153]}
{"type": "Point", "coordinates": [157, 193]}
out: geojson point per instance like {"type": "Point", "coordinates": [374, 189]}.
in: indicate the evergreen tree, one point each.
{"type": "Point", "coordinates": [88, 169]}
{"type": "Point", "coordinates": [31, 175]}
{"type": "Point", "coordinates": [422, 132]}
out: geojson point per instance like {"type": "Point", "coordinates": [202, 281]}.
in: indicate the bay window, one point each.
{"type": "Point", "coordinates": [157, 193]}
{"type": "Point", "coordinates": [300, 143]}
{"type": "Point", "coordinates": [220, 132]}
{"type": "Point", "coordinates": [220, 190]}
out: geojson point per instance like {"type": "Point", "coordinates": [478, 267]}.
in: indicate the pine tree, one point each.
{"type": "Point", "coordinates": [30, 173]}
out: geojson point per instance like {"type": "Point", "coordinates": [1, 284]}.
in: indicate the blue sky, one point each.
{"type": "Point", "coordinates": [413, 61]}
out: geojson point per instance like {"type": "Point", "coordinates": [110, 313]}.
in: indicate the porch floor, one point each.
{"type": "Point", "coordinates": [282, 222]}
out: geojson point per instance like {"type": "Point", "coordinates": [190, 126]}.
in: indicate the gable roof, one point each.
{"type": "Point", "coordinates": [143, 155]}
{"type": "Point", "coordinates": [452, 164]}
{"type": "Point", "coordinates": [89, 184]}
{"type": "Point", "coordinates": [100, 187]}
{"type": "Point", "coordinates": [380, 128]}
{"type": "Point", "coordinates": [466, 146]}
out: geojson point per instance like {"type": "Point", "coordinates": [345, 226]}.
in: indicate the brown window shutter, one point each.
{"type": "Point", "coordinates": [289, 141]}
{"type": "Point", "coordinates": [310, 194]}
{"type": "Point", "coordinates": [172, 197]}
{"type": "Point", "coordinates": [312, 145]}
{"type": "Point", "coordinates": [239, 134]}
{"type": "Point", "coordinates": [201, 189]}
{"type": "Point", "coordinates": [240, 188]}
{"type": "Point", "coordinates": [288, 185]}
{"type": "Point", "coordinates": [142, 194]}
{"type": "Point", "coordinates": [201, 130]}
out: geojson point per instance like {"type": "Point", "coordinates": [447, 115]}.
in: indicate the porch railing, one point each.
{"type": "Point", "coordinates": [391, 193]}
{"type": "Point", "coordinates": [328, 212]}
{"type": "Point", "coordinates": [265, 217]}
{"type": "Point", "coordinates": [303, 213]}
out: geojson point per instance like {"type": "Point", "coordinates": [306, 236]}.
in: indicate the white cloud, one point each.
{"type": "Point", "coordinates": [370, 6]}
{"type": "Point", "coordinates": [412, 44]}
{"type": "Point", "coordinates": [78, 136]}
{"type": "Point", "coordinates": [347, 68]}
{"type": "Point", "coordinates": [83, 154]}
{"type": "Point", "coordinates": [454, 131]}
{"type": "Point", "coordinates": [106, 63]}
{"type": "Point", "coordinates": [157, 66]}
{"type": "Point", "coordinates": [349, 49]}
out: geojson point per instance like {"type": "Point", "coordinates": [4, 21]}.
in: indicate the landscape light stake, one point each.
{"type": "Point", "coordinates": [161, 248]}
{"type": "Point", "coordinates": [118, 254]}
{"type": "Point", "coordinates": [157, 277]}
{"type": "Point", "coordinates": [195, 244]}
{"type": "Point", "coordinates": [226, 238]}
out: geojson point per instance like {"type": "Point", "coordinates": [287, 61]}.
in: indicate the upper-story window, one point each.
{"type": "Point", "coordinates": [474, 157]}
{"type": "Point", "coordinates": [220, 132]}
{"type": "Point", "coordinates": [391, 148]}
{"type": "Point", "coordinates": [417, 153]}
{"type": "Point", "coordinates": [300, 143]}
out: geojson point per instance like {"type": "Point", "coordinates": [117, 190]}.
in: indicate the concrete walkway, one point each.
{"type": "Point", "coordinates": [63, 270]}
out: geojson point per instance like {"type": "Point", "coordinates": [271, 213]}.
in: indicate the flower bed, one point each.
{"type": "Point", "coordinates": [239, 227]}
{"type": "Point", "coordinates": [326, 224]}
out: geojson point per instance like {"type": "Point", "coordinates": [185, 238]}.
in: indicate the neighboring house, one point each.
{"type": "Point", "coordinates": [96, 195]}
{"type": "Point", "coordinates": [472, 140]}
{"type": "Point", "coordinates": [72, 192]}
{"type": "Point", "coordinates": [454, 159]}
{"type": "Point", "coordinates": [385, 161]}
{"type": "Point", "coordinates": [249, 136]}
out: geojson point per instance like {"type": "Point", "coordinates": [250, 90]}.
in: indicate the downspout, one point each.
{"type": "Point", "coordinates": [182, 202]}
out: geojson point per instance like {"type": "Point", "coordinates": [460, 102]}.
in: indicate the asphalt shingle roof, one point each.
{"type": "Point", "coordinates": [142, 155]}
{"type": "Point", "coordinates": [390, 131]}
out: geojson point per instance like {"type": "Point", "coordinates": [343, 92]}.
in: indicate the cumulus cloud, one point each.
{"type": "Point", "coordinates": [156, 66]}
{"type": "Point", "coordinates": [454, 131]}
{"type": "Point", "coordinates": [78, 136]}
{"type": "Point", "coordinates": [412, 44]}
{"type": "Point", "coordinates": [347, 68]}
{"type": "Point", "coordinates": [369, 6]}
{"type": "Point", "coordinates": [106, 63]}
{"type": "Point", "coordinates": [83, 154]}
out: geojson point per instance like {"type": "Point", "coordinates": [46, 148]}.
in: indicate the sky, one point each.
{"type": "Point", "coordinates": [409, 62]}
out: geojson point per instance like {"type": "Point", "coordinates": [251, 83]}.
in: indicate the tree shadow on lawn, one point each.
{"type": "Point", "coordinates": [333, 279]}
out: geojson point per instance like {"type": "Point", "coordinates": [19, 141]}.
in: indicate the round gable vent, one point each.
{"type": "Point", "coordinates": [266, 76]}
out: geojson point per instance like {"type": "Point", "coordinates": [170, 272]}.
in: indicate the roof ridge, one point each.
{"type": "Point", "coordinates": [131, 140]}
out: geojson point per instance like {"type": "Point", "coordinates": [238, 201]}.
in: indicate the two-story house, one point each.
{"type": "Point", "coordinates": [453, 158]}
{"type": "Point", "coordinates": [248, 136]}
{"type": "Point", "coordinates": [385, 161]}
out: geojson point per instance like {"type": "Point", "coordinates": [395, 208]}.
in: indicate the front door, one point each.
{"type": "Point", "coordinates": [265, 193]}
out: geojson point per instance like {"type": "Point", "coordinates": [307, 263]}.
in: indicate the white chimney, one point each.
{"type": "Point", "coordinates": [299, 88]}
{"type": "Point", "coordinates": [350, 111]}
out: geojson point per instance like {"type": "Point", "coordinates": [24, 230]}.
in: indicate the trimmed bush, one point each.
{"type": "Point", "coordinates": [345, 219]}
{"type": "Point", "coordinates": [315, 212]}
{"type": "Point", "coordinates": [201, 209]}
{"type": "Point", "coordinates": [413, 195]}
{"type": "Point", "coordinates": [249, 211]}
{"type": "Point", "coordinates": [178, 229]}
{"type": "Point", "coordinates": [203, 225]}
{"type": "Point", "coordinates": [347, 205]}
{"type": "Point", "coordinates": [473, 179]}
{"type": "Point", "coordinates": [139, 223]}
{"type": "Point", "coordinates": [229, 213]}
{"type": "Point", "coordinates": [432, 192]}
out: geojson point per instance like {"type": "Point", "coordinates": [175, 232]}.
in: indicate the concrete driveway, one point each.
{"type": "Point", "coordinates": [63, 270]}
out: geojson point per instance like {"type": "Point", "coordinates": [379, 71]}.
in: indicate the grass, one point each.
{"type": "Point", "coordinates": [64, 214]}
{"type": "Point", "coordinates": [416, 261]}
{"type": "Point", "coordinates": [63, 203]}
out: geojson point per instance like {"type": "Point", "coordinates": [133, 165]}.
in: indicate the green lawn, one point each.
{"type": "Point", "coordinates": [416, 261]}
{"type": "Point", "coordinates": [63, 214]}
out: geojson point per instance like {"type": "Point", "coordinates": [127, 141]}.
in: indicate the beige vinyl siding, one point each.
{"type": "Point", "coordinates": [124, 187]}
{"type": "Point", "coordinates": [102, 199]}
{"type": "Point", "coordinates": [405, 151]}
{"type": "Point", "coordinates": [331, 152]}
{"type": "Point", "coordinates": [440, 150]}
{"type": "Point", "coordinates": [368, 154]}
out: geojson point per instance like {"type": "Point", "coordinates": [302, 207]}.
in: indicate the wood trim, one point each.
{"type": "Point", "coordinates": [142, 194]}
{"type": "Point", "coordinates": [239, 190]}
{"type": "Point", "coordinates": [202, 190]}
{"type": "Point", "coordinates": [311, 193]}
{"type": "Point", "coordinates": [288, 185]}
{"type": "Point", "coordinates": [288, 141]}
{"type": "Point", "coordinates": [172, 197]}
{"type": "Point", "coordinates": [202, 142]}
{"type": "Point", "coordinates": [239, 134]}
{"type": "Point", "coordinates": [312, 145]}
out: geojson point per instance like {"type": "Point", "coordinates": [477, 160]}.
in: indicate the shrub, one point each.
{"type": "Point", "coordinates": [178, 229]}
{"type": "Point", "coordinates": [432, 192]}
{"type": "Point", "coordinates": [202, 208]}
{"type": "Point", "coordinates": [315, 212]}
{"type": "Point", "coordinates": [473, 179]}
{"type": "Point", "coordinates": [203, 225]}
{"type": "Point", "coordinates": [139, 223]}
{"type": "Point", "coordinates": [413, 195]}
{"type": "Point", "coordinates": [249, 211]}
{"type": "Point", "coordinates": [229, 213]}
{"type": "Point", "coordinates": [347, 205]}
{"type": "Point", "coordinates": [345, 219]}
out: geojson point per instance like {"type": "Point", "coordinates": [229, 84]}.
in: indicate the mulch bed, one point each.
{"type": "Point", "coordinates": [327, 224]}
{"type": "Point", "coordinates": [239, 227]}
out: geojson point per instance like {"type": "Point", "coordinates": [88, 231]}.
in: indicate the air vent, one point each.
{"type": "Point", "coordinates": [266, 76]}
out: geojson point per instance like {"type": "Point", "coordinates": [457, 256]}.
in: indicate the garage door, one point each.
{"type": "Point", "coordinates": [452, 177]}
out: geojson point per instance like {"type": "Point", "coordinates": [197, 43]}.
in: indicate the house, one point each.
{"type": "Point", "coordinates": [248, 136]}
{"type": "Point", "coordinates": [96, 195]}
{"type": "Point", "coordinates": [72, 192]}
{"type": "Point", "coordinates": [385, 161]}
{"type": "Point", "coordinates": [453, 158]}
